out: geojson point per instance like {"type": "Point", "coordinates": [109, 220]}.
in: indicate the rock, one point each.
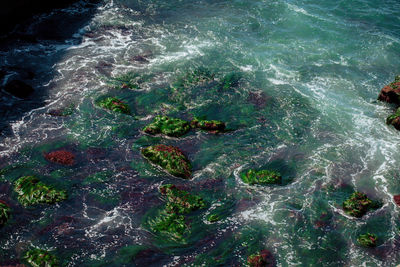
{"type": "Point", "coordinates": [397, 199]}
{"type": "Point", "coordinates": [19, 89]}
{"type": "Point", "coordinates": [229, 81]}
{"type": "Point", "coordinates": [41, 258]}
{"type": "Point", "coordinates": [114, 104]}
{"type": "Point", "coordinates": [140, 58]}
{"type": "Point", "coordinates": [168, 126]}
{"type": "Point", "coordinates": [211, 126]}
{"type": "Point", "coordinates": [258, 99]}
{"type": "Point", "coordinates": [263, 177]}
{"type": "Point", "coordinates": [180, 201]}
{"type": "Point", "coordinates": [4, 213]}
{"type": "Point", "coordinates": [62, 112]}
{"type": "Point", "coordinates": [359, 204]}
{"type": "Point", "coordinates": [367, 240]}
{"type": "Point", "coordinates": [32, 191]}
{"type": "Point", "coordinates": [170, 158]}
{"type": "Point", "coordinates": [263, 258]}
{"type": "Point", "coordinates": [394, 119]}
{"type": "Point", "coordinates": [62, 157]}
{"type": "Point", "coordinates": [391, 92]}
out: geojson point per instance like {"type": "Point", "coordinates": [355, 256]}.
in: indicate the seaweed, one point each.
{"type": "Point", "coordinates": [367, 240]}
{"type": "Point", "coordinates": [114, 104]}
{"type": "Point", "coordinates": [359, 204]}
{"type": "Point", "coordinates": [41, 258]}
{"type": "Point", "coordinates": [263, 177]}
{"type": "Point", "coordinates": [168, 126]}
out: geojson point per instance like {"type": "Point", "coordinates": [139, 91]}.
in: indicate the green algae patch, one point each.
{"type": "Point", "coordinates": [173, 225]}
{"type": "Point", "coordinates": [359, 204]}
{"type": "Point", "coordinates": [213, 218]}
{"type": "Point", "coordinates": [169, 158]}
{"type": "Point", "coordinates": [4, 213]}
{"type": "Point", "coordinates": [171, 221]}
{"type": "Point", "coordinates": [229, 81]}
{"type": "Point", "coordinates": [32, 191]}
{"type": "Point", "coordinates": [208, 125]}
{"type": "Point", "coordinates": [168, 126]}
{"type": "Point", "coordinates": [260, 259]}
{"type": "Point", "coordinates": [193, 78]}
{"type": "Point", "coordinates": [41, 258]}
{"type": "Point", "coordinates": [367, 240]}
{"type": "Point", "coordinates": [263, 177]}
{"type": "Point", "coordinates": [180, 201]}
{"type": "Point", "coordinates": [114, 104]}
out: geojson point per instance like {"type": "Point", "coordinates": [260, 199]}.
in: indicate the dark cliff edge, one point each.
{"type": "Point", "coordinates": [24, 74]}
{"type": "Point", "coordinates": [17, 11]}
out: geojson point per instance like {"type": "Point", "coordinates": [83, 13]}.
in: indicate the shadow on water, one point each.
{"type": "Point", "coordinates": [29, 53]}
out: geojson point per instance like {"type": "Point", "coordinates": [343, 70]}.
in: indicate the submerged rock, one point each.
{"type": "Point", "coordinates": [262, 177]}
{"type": "Point", "coordinates": [394, 119]}
{"type": "Point", "coordinates": [359, 204]}
{"type": "Point", "coordinates": [263, 258]}
{"type": "Point", "coordinates": [114, 104]}
{"type": "Point", "coordinates": [62, 112]}
{"type": "Point", "coordinates": [170, 158]}
{"type": "Point", "coordinates": [32, 191]}
{"type": "Point", "coordinates": [211, 126]}
{"type": "Point", "coordinates": [180, 201]}
{"type": "Point", "coordinates": [229, 81]}
{"type": "Point", "coordinates": [367, 240]}
{"type": "Point", "coordinates": [168, 126]}
{"type": "Point", "coordinates": [61, 157]}
{"type": "Point", "coordinates": [41, 258]}
{"type": "Point", "coordinates": [391, 92]}
{"type": "Point", "coordinates": [19, 89]}
{"type": "Point", "coordinates": [4, 213]}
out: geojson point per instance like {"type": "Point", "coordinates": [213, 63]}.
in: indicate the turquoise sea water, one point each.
{"type": "Point", "coordinates": [309, 73]}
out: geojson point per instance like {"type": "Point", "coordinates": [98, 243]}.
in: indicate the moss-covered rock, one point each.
{"type": "Point", "coordinates": [32, 191]}
{"type": "Point", "coordinates": [229, 81]}
{"type": "Point", "coordinates": [262, 258]}
{"type": "Point", "coordinates": [114, 104]}
{"type": "Point", "coordinates": [262, 177]}
{"type": "Point", "coordinates": [171, 224]}
{"type": "Point", "coordinates": [180, 201]}
{"type": "Point", "coordinates": [193, 78]}
{"type": "Point", "coordinates": [168, 126]}
{"type": "Point", "coordinates": [367, 240]}
{"type": "Point", "coordinates": [4, 213]}
{"type": "Point", "coordinates": [41, 258]}
{"type": "Point", "coordinates": [391, 92]}
{"type": "Point", "coordinates": [208, 125]}
{"type": "Point", "coordinates": [170, 158]}
{"type": "Point", "coordinates": [394, 119]}
{"type": "Point", "coordinates": [359, 204]}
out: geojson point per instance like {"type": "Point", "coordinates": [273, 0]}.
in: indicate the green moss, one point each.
{"type": "Point", "coordinates": [129, 80]}
{"type": "Point", "coordinates": [99, 177]}
{"type": "Point", "coordinates": [41, 258]}
{"type": "Point", "coordinates": [32, 191]}
{"type": "Point", "coordinates": [114, 104]}
{"type": "Point", "coordinates": [208, 125]}
{"type": "Point", "coordinates": [193, 78]}
{"type": "Point", "coordinates": [170, 158]}
{"type": "Point", "coordinates": [171, 224]}
{"type": "Point", "coordinates": [168, 126]}
{"type": "Point", "coordinates": [4, 213]}
{"type": "Point", "coordinates": [229, 81]}
{"type": "Point", "coordinates": [367, 240]}
{"type": "Point", "coordinates": [261, 177]}
{"type": "Point", "coordinates": [180, 201]}
{"type": "Point", "coordinates": [392, 117]}
{"type": "Point", "coordinates": [213, 218]}
{"type": "Point", "coordinates": [359, 204]}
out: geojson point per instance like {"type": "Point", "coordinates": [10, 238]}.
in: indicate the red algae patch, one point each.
{"type": "Point", "coordinates": [397, 199]}
{"type": "Point", "coordinates": [61, 157]}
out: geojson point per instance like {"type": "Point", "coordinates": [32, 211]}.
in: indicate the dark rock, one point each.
{"type": "Point", "coordinates": [391, 92]}
{"type": "Point", "coordinates": [140, 58]}
{"type": "Point", "coordinates": [258, 99]}
{"type": "Point", "coordinates": [19, 89]}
